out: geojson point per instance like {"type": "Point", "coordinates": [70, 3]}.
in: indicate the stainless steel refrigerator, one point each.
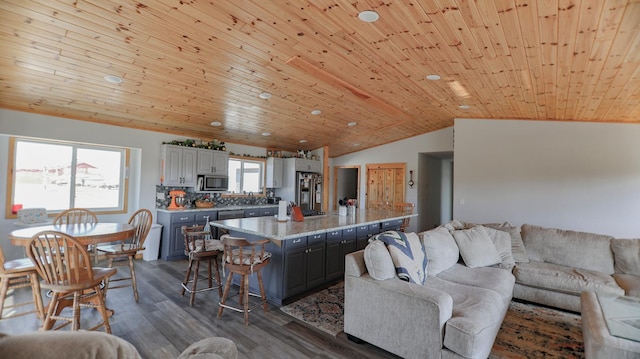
{"type": "Point", "coordinates": [309, 191]}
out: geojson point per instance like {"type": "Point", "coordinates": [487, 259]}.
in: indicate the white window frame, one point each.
{"type": "Point", "coordinates": [123, 185]}
{"type": "Point", "coordinates": [263, 169]}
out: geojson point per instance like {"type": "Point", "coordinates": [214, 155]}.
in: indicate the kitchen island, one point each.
{"type": "Point", "coordinates": [309, 255]}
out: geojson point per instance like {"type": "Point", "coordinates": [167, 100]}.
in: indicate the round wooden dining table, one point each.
{"type": "Point", "coordinates": [85, 233]}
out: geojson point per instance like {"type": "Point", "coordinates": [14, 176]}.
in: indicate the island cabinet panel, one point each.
{"type": "Point", "coordinates": [364, 232]}
{"type": "Point", "coordinates": [303, 264]}
{"type": "Point", "coordinates": [391, 225]}
{"type": "Point", "coordinates": [339, 244]}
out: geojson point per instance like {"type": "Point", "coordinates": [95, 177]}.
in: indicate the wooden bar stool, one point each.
{"type": "Point", "coordinates": [244, 258]}
{"type": "Point", "coordinates": [19, 273]}
{"type": "Point", "coordinates": [199, 246]}
{"type": "Point", "coordinates": [406, 207]}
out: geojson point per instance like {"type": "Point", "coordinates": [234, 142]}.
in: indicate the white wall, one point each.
{"type": "Point", "coordinates": [144, 173]}
{"type": "Point", "coordinates": [579, 176]}
{"type": "Point", "coordinates": [406, 150]}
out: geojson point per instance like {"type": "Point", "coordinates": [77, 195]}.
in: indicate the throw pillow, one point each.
{"type": "Point", "coordinates": [407, 253]}
{"type": "Point", "coordinates": [518, 250]}
{"type": "Point", "coordinates": [502, 241]}
{"type": "Point", "coordinates": [441, 250]}
{"type": "Point", "coordinates": [626, 255]}
{"type": "Point", "coordinates": [378, 261]}
{"type": "Point", "coordinates": [476, 248]}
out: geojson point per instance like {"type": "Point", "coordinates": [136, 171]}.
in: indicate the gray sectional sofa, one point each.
{"type": "Point", "coordinates": [564, 263]}
{"type": "Point", "coordinates": [456, 313]}
{"type": "Point", "coordinates": [472, 274]}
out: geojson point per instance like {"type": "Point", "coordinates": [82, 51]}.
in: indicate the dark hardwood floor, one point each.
{"type": "Point", "coordinates": [162, 324]}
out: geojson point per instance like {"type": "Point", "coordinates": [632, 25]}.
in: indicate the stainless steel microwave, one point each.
{"type": "Point", "coordinates": [211, 183]}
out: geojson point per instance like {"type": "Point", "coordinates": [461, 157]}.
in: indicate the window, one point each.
{"type": "Point", "coordinates": [246, 175]}
{"type": "Point", "coordinates": [62, 175]}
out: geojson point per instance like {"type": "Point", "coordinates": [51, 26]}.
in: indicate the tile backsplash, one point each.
{"type": "Point", "coordinates": [163, 199]}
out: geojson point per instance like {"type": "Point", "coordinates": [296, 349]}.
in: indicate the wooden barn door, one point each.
{"type": "Point", "coordinates": [385, 183]}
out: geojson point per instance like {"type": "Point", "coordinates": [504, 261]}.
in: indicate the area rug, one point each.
{"type": "Point", "coordinates": [322, 310]}
{"type": "Point", "coordinates": [531, 331]}
{"type": "Point", "coordinates": [528, 331]}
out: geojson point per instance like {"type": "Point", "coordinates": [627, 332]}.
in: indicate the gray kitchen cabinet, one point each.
{"type": "Point", "coordinates": [179, 165]}
{"type": "Point", "coordinates": [275, 168]}
{"type": "Point", "coordinates": [259, 212]}
{"type": "Point", "coordinates": [304, 264]}
{"type": "Point", "coordinates": [172, 242]}
{"type": "Point", "coordinates": [212, 162]}
{"type": "Point", "coordinates": [305, 165]}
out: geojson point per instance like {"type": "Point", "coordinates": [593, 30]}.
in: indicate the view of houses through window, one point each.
{"type": "Point", "coordinates": [61, 175]}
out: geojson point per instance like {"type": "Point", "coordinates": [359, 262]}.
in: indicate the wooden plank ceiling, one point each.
{"type": "Point", "coordinates": [185, 64]}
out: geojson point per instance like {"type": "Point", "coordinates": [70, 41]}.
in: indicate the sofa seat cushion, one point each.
{"type": "Point", "coordinates": [476, 318]}
{"type": "Point", "coordinates": [495, 279]}
{"type": "Point", "coordinates": [630, 284]}
{"type": "Point", "coordinates": [565, 279]}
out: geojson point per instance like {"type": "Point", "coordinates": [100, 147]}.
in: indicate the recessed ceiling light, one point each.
{"type": "Point", "coordinates": [356, 144]}
{"type": "Point", "coordinates": [216, 123]}
{"type": "Point", "coordinates": [351, 124]}
{"type": "Point", "coordinates": [316, 112]}
{"type": "Point", "coordinates": [265, 95]}
{"type": "Point", "coordinates": [433, 77]}
{"type": "Point", "coordinates": [368, 16]}
{"type": "Point", "coordinates": [303, 141]}
{"type": "Point", "coordinates": [113, 79]}
{"type": "Point", "coordinates": [464, 107]}
{"type": "Point", "coordinates": [266, 133]}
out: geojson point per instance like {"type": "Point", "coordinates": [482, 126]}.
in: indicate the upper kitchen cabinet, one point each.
{"type": "Point", "coordinates": [179, 165]}
{"type": "Point", "coordinates": [305, 165]}
{"type": "Point", "coordinates": [211, 162]}
{"type": "Point", "coordinates": [274, 172]}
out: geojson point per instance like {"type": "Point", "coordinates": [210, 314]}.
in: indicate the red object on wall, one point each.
{"type": "Point", "coordinates": [15, 208]}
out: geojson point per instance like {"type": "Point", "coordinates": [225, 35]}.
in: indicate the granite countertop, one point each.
{"type": "Point", "coordinates": [218, 208]}
{"type": "Point", "coordinates": [269, 227]}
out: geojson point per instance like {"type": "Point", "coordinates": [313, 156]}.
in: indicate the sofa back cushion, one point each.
{"type": "Point", "coordinates": [575, 249]}
{"type": "Point", "coordinates": [626, 254]}
{"type": "Point", "coordinates": [476, 247]}
{"type": "Point", "coordinates": [441, 249]}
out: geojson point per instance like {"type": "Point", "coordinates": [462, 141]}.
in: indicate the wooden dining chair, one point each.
{"type": "Point", "coordinates": [405, 207]}
{"type": "Point", "coordinates": [75, 216]}
{"type": "Point", "coordinates": [142, 220]}
{"type": "Point", "coordinates": [14, 274]}
{"type": "Point", "coordinates": [244, 258]}
{"type": "Point", "coordinates": [65, 267]}
{"type": "Point", "coordinates": [199, 247]}
{"type": "Point", "coordinates": [78, 216]}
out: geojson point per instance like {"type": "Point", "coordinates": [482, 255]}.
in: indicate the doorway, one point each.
{"type": "Point", "coordinates": [346, 184]}
{"type": "Point", "coordinates": [435, 190]}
